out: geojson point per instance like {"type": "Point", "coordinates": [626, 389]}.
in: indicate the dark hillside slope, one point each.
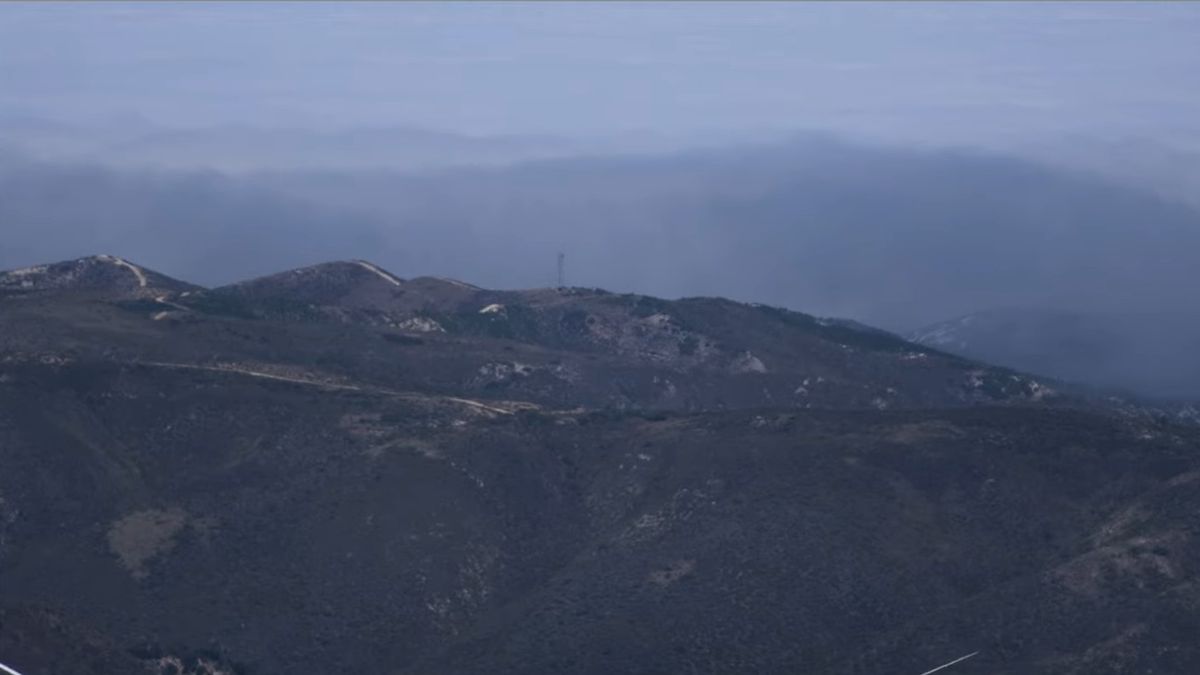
{"type": "Point", "coordinates": [295, 526]}
{"type": "Point", "coordinates": [1150, 353]}
{"type": "Point", "coordinates": [561, 348]}
{"type": "Point", "coordinates": [339, 470]}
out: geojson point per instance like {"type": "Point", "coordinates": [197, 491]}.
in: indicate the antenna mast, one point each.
{"type": "Point", "coordinates": [562, 260]}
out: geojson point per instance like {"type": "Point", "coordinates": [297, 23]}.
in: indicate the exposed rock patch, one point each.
{"type": "Point", "coordinates": [140, 537]}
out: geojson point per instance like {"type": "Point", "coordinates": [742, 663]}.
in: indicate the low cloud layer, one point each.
{"type": "Point", "coordinates": [899, 238]}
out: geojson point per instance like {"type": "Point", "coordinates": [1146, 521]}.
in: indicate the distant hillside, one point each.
{"type": "Point", "coordinates": [106, 276]}
{"type": "Point", "coordinates": [892, 237]}
{"type": "Point", "coordinates": [355, 321]}
{"type": "Point", "coordinates": [337, 469]}
{"type": "Point", "coordinates": [1152, 354]}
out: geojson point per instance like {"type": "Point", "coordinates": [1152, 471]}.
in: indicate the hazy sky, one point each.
{"type": "Point", "coordinates": [925, 70]}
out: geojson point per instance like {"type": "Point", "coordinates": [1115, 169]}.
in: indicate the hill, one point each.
{"type": "Point", "coordinates": [105, 275]}
{"type": "Point", "coordinates": [354, 321]}
{"type": "Point", "coordinates": [1150, 353]}
{"type": "Point", "coordinates": [283, 475]}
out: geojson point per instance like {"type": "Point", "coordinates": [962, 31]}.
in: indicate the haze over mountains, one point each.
{"type": "Point", "coordinates": [885, 235]}
{"type": "Point", "coordinates": [895, 237]}
{"type": "Point", "coordinates": [142, 144]}
{"type": "Point", "coordinates": [1145, 352]}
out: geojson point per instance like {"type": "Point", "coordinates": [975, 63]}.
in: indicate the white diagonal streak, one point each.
{"type": "Point", "coordinates": [947, 665]}
{"type": "Point", "coordinates": [378, 272]}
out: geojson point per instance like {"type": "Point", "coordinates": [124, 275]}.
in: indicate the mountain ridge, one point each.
{"type": "Point", "coordinates": [102, 273]}
{"type": "Point", "coordinates": [691, 353]}
{"type": "Point", "coordinates": [284, 475]}
{"type": "Point", "coordinates": [1152, 354]}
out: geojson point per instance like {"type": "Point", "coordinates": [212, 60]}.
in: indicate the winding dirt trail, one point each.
{"type": "Point", "coordinates": [478, 405]}
{"type": "Point", "coordinates": [376, 270]}
{"type": "Point", "coordinates": [137, 271]}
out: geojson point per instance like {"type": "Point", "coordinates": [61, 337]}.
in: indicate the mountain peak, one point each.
{"type": "Point", "coordinates": [335, 289]}
{"type": "Point", "coordinates": [101, 273]}
{"type": "Point", "coordinates": [354, 269]}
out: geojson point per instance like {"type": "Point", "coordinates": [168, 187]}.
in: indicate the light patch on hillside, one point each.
{"type": "Point", "coordinates": [141, 536]}
{"type": "Point", "coordinates": [200, 666]}
{"type": "Point", "coordinates": [748, 363]}
{"type": "Point", "coordinates": [923, 432]}
{"type": "Point", "coordinates": [672, 572]}
{"type": "Point", "coordinates": [421, 324]}
{"type": "Point", "coordinates": [27, 271]}
{"type": "Point", "coordinates": [1140, 560]}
